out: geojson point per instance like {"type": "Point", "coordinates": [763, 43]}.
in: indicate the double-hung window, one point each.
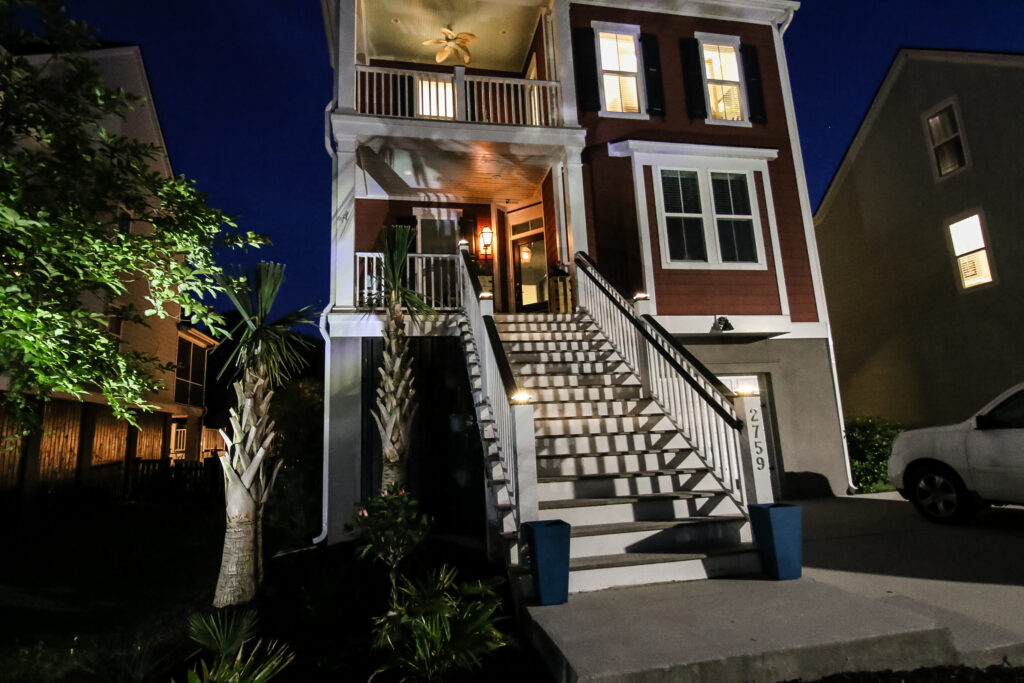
{"type": "Point", "coordinates": [723, 80]}
{"type": "Point", "coordinates": [946, 140]}
{"type": "Point", "coordinates": [619, 69]}
{"type": "Point", "coordinates": [970, 251]}
{"type": "Point", "coordinates": [709, 219]}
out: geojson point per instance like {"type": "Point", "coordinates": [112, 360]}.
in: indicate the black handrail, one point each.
{"type": "Point", "coordinates": [587, 265]}
{"type": "Point", "coordinates": [504, 368]}
{"type": "Point", "coordinates": [473, 279]}
{"type": "Point", "coordinates": [692, 359]}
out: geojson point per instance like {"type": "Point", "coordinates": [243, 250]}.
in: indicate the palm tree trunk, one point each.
{"type": "Point", "coordinates": [236, 583]}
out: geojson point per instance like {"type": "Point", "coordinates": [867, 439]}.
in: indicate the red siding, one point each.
{"type": "Point", "coordinates": [609, 183]}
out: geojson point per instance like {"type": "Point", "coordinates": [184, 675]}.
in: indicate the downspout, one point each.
{"type": "Point", "coordinates": [786, 22]}
{"type": "Point", "coordinates": [322, 325]}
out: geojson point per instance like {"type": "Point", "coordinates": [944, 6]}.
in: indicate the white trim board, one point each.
{"type": "Point", "coordinates": [750, 11]}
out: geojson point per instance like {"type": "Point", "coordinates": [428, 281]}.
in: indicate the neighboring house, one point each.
{"type": "Point", "coordinates": [81, 442]}
{"type": "Point", "coordinates": [639, 157]}
{"type": "Point", "coordinates": [919, 235]}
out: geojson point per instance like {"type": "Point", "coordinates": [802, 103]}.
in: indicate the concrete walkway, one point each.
{"type": "Point", "coordinates": [882, 589]}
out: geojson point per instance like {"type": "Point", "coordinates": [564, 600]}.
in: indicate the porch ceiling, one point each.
{"type": "Point", "coordinates": [455, 170]}
{"type": "Point", "coordinates": [395, 29]}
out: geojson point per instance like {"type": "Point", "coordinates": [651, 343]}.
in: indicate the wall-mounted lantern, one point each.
{"type": "Point", "coordinates": [486, 240]}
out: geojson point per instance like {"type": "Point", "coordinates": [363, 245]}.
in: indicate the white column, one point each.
{"type": "Point", "coordinates": [574, 201]}
{"type": "Point", "coordinates": [343, 450]}
{"type": "Point", "coordinates": [345, 69]}
{"type": "Point", "coordinates": [343, 223]}
{"type": "Point", "coordinates": [563, 71]}
{"type": "Point", "coordinates": [459, 93]}
{"type": "Point", "coordinates": [754, 444]}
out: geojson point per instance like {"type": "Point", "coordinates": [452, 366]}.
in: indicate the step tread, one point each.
{"type": "Point", "coordinates": [629, 527]}
{"type": "Point", "coordinates": [625, 499]}
{"type": "Point", "coordinates": [634, 559]}
{"type": "Point", "coordinates": [657, 452]}
{"type": "Point", "coordinates": [622, 475]}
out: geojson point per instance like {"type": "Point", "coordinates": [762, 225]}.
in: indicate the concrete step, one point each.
{"type": "Point", "coordinates": [657, 507]}
{"type": "Point", "coordinates": [600, 444]}
{"type": "Point", "coordinates": [562, 356]}
{"type": "Point", "coordinates": [548, 335]}
{"type": "Point", "coordinates": [538, 317]}
{"type": "Point", "coordinates": [595, 392]}
{"type": "Point", "coordinates": [546, 326]}
{"type": "Point", "coordinates": [546, 346]}
{"type": "Point", "coordinates": [681, 535]}
{"type": "Point", "coordinates": [578, 380]}
{"type": "Point", "coordinates": [626, 484]}
{"type": "Point", "coordinates": [594, 409]}
{"type": "Point", "coordinates": [572, 369]}
{"type": "Point", "coordinates": [563, 426]}
{"type": "Point", "coordinates": [634, 569]}
{"type": "Point", "coordinates": [618, 463]}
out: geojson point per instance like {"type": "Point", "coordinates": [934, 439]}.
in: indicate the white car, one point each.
{"type": "Point", "coordinates": [948, 472]}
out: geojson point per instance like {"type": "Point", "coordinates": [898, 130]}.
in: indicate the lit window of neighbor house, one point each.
{"type": "Point", "coordinates": [946, 141]}
{"type": "Point", "coordinates": [190, 373]}
{"type": "Point", "coordinates": [970, 251]}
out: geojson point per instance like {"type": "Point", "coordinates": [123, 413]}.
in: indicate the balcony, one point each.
{"type": "Point", "coordinates": [456, 96]}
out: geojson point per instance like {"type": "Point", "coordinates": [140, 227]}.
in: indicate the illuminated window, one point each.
{"type": "Point", "coordinates": [969, 249]}
{"type": "Point", "coordinates": [708, 219]}
{"type": "Point", "coordinates": [946, 141]}
{"type": "Point", "coordinates": [721, 56]}
{"type": "Point", "coordinates": [619, 65]}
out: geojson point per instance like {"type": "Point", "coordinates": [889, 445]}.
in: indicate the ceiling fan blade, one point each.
{"type": "Point", "coordinates": [448, 33]}
{"type": "Point", "coordinates": [466, 38]}
{"type": "Point", "coordinates": [433, 41]}
{"type": "Point", "coordinates": [443, 53]}
{"type": "Point", "coordinates": [462, 52]}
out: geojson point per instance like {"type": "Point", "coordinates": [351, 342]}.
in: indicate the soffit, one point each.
{"type": "Point", "coordinates": [395, 30]}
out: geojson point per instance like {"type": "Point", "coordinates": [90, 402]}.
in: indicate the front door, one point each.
{"type": "Point", "coordinates": [530, 273]}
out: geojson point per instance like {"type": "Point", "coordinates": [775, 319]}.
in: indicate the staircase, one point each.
{"type": "Point", "coordinates": [643, 505]}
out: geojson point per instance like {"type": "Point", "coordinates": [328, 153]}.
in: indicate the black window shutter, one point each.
{"type": "Point", "coordinates": [693, 79]}
{"type": "Point", "coordinates": [755, 89]}
{"type": "Point", "coordinates": [652, 74]}
{"type": "Point", "coordinates": [584, 55]}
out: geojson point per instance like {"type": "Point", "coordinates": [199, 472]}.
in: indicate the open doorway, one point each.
{"type": "Point", "coordinates": [529, 259]}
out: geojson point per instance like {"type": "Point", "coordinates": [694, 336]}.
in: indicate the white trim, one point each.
{"type": "Point", "coordinates": [751, 11]}
{"type": "Point", "coordinates": [773, 232]}
{"type": "Point", "coordinates": [641, 91]}
{"type": "Point", "coordinates": [643, 225]}
{"type": "Point", "coordinates": [734, 42]}
{"type": "Point", "coordinates": [563, 68]}
{"type": "Point", "coordinates": [773, 326]}
{"type": "Point", "coordinates": [648, 149]}
{"type": "Point", "coordinates": [363, 127]}
{"type": "Point", "coordinates": [930, 147]}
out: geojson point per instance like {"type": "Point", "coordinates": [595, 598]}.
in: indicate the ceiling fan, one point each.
{"type": "Point", "coordinates": [452, 43]}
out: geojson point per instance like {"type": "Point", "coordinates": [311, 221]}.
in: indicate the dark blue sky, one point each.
{"type": "Point", "coordinates": [240, 88]}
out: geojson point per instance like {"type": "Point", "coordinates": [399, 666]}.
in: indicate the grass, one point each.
{"type": "Point", "coordinates": [101, 591]}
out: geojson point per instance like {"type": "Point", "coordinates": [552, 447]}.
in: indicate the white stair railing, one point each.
{"type": "Point", "coordinates": [684, 389]}
{"type": "Point", "coordinates": [510, 410]}
{"type": "Point", "coordinates": [435, 277]}
{"type": "Point", "coordinates": [408, 93]}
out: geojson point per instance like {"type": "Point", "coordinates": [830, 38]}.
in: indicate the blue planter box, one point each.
{"type": "Point", "coordinates": [779, 537]}
{"type": "Point", "coordinates": [548, 542]}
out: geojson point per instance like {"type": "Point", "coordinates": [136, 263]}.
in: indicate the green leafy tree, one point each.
{"type": "Point", "coordinates": [68, 187]}
{"type": "Point", "coordinates": [396, 405]}
{"type": "Point", "coordinates": [265, 355]}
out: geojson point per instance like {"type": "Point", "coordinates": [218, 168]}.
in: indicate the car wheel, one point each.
{"type": "Point", "coordinates": [939, 494]}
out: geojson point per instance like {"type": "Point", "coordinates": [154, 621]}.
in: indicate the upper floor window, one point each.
{"type": "Point", "coordinates": [619, 69]}
{"type": "Point", "coordinates": [970, 251]}
{"type": "Point", "coordinates": [708, 219]}
{"type": "Point", "coordinates": [190, 373]}
{"type": "Point", "coordinates": [946, 140]}
{"type": "Point", "coordinates": [723, 80]}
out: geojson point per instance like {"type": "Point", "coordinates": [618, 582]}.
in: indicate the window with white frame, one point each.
{"type": "Point", "coordinates": [723, 81]}
{"type": "Point", "coordinates": [618, 63]}
{"type": "Point", "coordinates": [946, 141]}
{"type": "Point", "coordinates": [708, 218]}
{"type": "Point", "coordinates": [970, 251]}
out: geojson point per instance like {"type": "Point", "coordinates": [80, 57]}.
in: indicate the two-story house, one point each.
{"type": "Point", "coordinates": [919, 239]}
{"type": "Point", "coordinates": [647, 153]}
{"type": "Point", "coordinates": [81, 443]}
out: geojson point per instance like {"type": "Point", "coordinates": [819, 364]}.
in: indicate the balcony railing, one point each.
{"type": "Point", "coordinates": [435, 277]}
{"type": "Point", "coordinates": [404, 93]}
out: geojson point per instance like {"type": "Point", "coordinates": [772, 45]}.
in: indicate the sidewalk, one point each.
{"type": "Point", "coordinates": [882, 589]}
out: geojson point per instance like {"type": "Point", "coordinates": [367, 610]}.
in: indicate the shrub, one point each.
{"type": "Point", "coordinates": [870, 443]}
{"type": "Point", "coordinates": [225, 635]}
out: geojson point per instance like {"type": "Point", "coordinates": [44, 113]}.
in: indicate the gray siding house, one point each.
{"type": "Point", "coordinates": [920, 242]}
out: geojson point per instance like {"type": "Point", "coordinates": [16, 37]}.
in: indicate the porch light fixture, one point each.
{"type": "Point", "coordinates": [486, 239]}
{"type": "Point", "coordinates": [463, 243]}
{"type": "Point", "coordinates": [721, 324]}
{"type": "Point", "coordinates": [486, 295]}
{"type": "Point", "coordinates": [747, 390]}
{"type": "Point", "coordinates": [521, 397]}
{"type": "Point", "coordinates": [525, 254]}
{"type": "Point", "coordinates": [641, 296]}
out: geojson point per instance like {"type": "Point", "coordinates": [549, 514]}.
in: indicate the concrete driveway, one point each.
{"type": "Point", "coordinates": [882, 589]}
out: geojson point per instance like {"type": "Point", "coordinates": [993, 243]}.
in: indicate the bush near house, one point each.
{"type": "Point", "coordinates": [870, 442]}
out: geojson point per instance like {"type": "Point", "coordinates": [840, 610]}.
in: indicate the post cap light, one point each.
{"type": "Point", "coordinates": [747, 390]}
{"type": "Point", "coordinates": [641, 296]}
{"type": "Point", "coordinates": [486, 295]}
{"type": "Point", "coordinates": [521, 397]}
{"type": "Point", "coordinates": [463, 243]}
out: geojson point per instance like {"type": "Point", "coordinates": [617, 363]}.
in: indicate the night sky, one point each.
{"type": "Point", "coordinates": [240, 88]}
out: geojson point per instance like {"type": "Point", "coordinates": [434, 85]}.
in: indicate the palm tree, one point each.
{"type": "Point", "coordinates": [396, 405]}
{"type": "Point", "coordinates": [265, 354]}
